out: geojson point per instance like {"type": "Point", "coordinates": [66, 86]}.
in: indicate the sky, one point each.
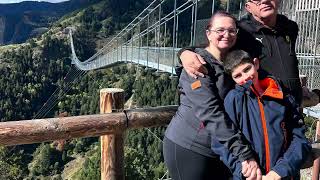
{"type": "Point", "coordinates": [16, 1]}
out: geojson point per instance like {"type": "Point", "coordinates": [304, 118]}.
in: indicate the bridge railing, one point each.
{"type": "Point", "coordinates": [307, 15]}
{"type": "Point", "coordinates": [161, 59]}
{"type": "Point", "coordinates": [309, 65]}
{"type": "Point", "coordinates": [156, 28]}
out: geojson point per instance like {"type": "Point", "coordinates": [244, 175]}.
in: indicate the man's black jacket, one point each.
{"type": "Point", "coordinates": [275, 48]}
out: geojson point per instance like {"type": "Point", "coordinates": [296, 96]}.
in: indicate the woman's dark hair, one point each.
{"type": "Point", "coordinates": [219, 14]}
{"type": "Point", "coordinates": [235, 58]}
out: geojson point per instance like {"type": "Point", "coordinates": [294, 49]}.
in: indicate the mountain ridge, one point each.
{"type": "Point", "coordinates": [21, 21]}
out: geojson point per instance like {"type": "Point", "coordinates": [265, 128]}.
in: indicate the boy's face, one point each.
{"type": "Point", "coordinates": [245, 72]}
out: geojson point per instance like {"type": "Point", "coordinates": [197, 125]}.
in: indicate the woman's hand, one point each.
{"type": "Point", "coordinates": [193, 64]}
{"type": "Point", "coordinates": [251, 170]}
{"type": "Point", "coordinates": [271, 176]}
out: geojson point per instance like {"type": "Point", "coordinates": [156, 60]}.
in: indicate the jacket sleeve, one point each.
{"type": "Point", "coordinates": [290, 163]}
{"type": "Point", "coordinates": [209, 109]}
{"type": "Point", "coordinates": [190, 48]}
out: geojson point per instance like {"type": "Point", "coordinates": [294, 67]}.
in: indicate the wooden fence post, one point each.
{"type": "Point", "coordinates": [316, 163]}
{"type": "Point", "coordinates": [112, 153]}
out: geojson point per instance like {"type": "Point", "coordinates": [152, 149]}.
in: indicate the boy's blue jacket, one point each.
{"type": "Point", "coordinates": [273, 126]}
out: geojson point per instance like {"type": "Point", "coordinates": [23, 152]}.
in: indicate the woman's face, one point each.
{"type": "Point", "coordinates": [222, 33]}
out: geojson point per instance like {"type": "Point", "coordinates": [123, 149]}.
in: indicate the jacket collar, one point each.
{"type": "Point", "coordinates": [250, 24]}
{"type": "Point", "coordinates": [271, 88]}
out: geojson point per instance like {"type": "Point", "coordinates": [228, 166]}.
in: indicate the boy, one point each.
{"type": "Point", "coordinates": [268, 118]}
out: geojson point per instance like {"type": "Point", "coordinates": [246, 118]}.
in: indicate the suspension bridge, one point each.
{"type": "Point", "coordinates": [154, 37]}
{"type": "Point", "coordinates": [144, 41]}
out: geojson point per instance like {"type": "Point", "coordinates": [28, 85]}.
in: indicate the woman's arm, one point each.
{"type": "Point", "coordinates": [209, 109]}
{"type": "Point", "coordinates": [192, 62]}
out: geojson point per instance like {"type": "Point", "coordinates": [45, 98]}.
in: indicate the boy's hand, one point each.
{"type": "Point", "coordinates": [271, 176]}
{"type": "Point", "coordinates": [193, 64]}
{"type": "Point", "coordinates": [251, 170]}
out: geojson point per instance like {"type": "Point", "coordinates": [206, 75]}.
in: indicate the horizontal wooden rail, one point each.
{"type": "Point", "coordinates": [42, 130]}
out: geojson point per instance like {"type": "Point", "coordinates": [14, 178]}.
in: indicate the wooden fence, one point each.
{"type": "Point", "coordinates": [109, 125]}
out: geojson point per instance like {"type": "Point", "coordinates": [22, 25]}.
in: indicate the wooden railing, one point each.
{"type": "Point", "coordinates": [43, 130]}
{"type": "Point", "coordinates": [111, 126]}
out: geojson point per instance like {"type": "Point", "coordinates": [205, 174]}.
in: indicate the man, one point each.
{"type": "Point", "coordinates": [267, 35]}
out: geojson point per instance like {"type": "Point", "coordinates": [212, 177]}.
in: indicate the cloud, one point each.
{"type": "Point", "coordinates": [16, 1]}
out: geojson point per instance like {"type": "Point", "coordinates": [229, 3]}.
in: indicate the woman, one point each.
{"type": "Point", "coordinates": [201, 114]}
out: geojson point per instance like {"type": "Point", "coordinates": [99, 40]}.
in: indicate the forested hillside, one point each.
{"type": "Point", "coordinates": [35, 80]}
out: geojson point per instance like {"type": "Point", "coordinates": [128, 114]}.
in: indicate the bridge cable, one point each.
{"type": "Point", "coordinates": [65, 91]}
{"type": "Point", "coordinates": [71, 77]}
{"type": "Point", "coordinates": [53, 100]}
{"type": "Point", "coordinates": [52, 97]}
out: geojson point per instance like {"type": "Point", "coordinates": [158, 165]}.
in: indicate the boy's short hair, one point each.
{"type": "Point", "coordinates": [235, 58]}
